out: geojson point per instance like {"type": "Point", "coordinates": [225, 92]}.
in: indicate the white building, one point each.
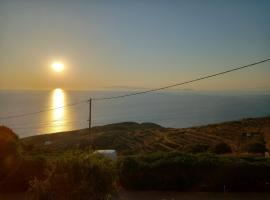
{"type": "Point", "coordinates": [109, 153]}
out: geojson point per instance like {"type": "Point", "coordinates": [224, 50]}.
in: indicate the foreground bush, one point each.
{"type": "Point", "coordinates": [76, 177]}
{"type": "Point", "coordinates": [221, 148]}
{"type": "Point", "coordinates": [206, 172]}
{"type": "Point", "coordinates": [256, 147]}
{"type": "Point", "coordinates": [16, 170]}
{"type": "Point", "coordinates": [9, 152]}
{"type": "Point", "coordinates": [196, 148]}
{"type": "Point", "coordinates": [27, 169]}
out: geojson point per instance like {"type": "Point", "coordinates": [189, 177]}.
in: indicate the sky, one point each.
{"type": "Point", "coordinates": [133, 44]}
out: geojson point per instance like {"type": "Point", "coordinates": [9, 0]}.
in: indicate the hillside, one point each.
{"type": "Point", "coordinates": [133, 138]}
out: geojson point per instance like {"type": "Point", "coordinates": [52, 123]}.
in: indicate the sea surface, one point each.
{"type": "Point", "coordinates": [170, 109]}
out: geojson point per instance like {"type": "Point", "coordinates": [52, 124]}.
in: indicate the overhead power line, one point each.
{"type": "Point", "coordinates": [48, 125]}
{"type": "Point", "coordinates": [41, 111]}
{"type": "Point", "coordinates": [137, 93]}
{"type": "Point", "coordinates": [182, 83]}
{"type": "Point", "coordinates": [45, 122]}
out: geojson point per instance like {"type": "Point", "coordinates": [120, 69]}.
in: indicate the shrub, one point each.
{"type": "Point", "coordinates": [256, 147]}
{"type": "Point", "coordinates": [26, 169]}
{"type": "Point", "coordinates": [221, 148]}
{"type": "Point", "coordinates": [180, 171]}
{"type": "Point", "coordinates": [9, 148]}
{"type": "Point", "coordinates": [9, 153]}
{"type": "Point", "coordinates": [76, 177]}
{"type": "Point", "coordinates": [196, 148]}
{"type": "Point", "coordinates": [172, 170]}
{"type": "Point", "coordinates": [15, 170]}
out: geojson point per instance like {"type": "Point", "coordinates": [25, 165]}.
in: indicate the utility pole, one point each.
{"type": "Point", "coordinates": [90, 122]}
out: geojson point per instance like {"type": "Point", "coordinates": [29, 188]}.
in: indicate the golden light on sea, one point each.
{"type": "Point", "coordinates": [58, 115]}
{"type": "Point", "coordinates": [58, 103]}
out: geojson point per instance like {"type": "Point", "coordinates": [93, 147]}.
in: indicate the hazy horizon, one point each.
{"type": "Point", "coordinates": [131, 90]}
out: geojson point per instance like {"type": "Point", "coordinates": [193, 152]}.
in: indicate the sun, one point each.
{"type": "Point", "coordinates": [58, 66]}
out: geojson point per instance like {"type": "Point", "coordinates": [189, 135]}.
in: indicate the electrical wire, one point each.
{"type": "Point", "coordinates": [182, 83]}
{"type": "Point", "coordinates": [41, 111]}
{"type": "Point", "coordinates": [47, 126]}
{"type": "Point", "coordinates": [44, 123]}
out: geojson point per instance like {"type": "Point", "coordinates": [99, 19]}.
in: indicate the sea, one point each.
{"type": "Point", "coordinates": [31, 112]}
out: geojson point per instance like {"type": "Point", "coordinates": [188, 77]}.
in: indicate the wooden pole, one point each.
{"type": "Point", "coordinates": [90, 121]}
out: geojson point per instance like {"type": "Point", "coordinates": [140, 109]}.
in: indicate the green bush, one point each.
{"type": "Point", "coordinates": [221, 148]}
{"type": "Point", "coordinates": [9, 151]}
{"type": "Point", "coordinates": [161, 170]}
{"type": "Point", "coordinates": [256, 147]}
{"type": "Point", "coordinates": [196, 148]}
{"type": "Point", "coordinates": [206, 171]}
{"type": "Point", "coordinates": [16, 170]}
{"type": "Point", "coordinates": [76, 177]}
{"type": "Point", "coordinates": [9, 154]}
{"type": "Point", "coordinates": [26, 169]}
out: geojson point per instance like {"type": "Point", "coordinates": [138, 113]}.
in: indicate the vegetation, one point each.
{"type": "Point", "coordinates": [207, 172]}
{"type": "Point", "coordinates": [73, 175]}
{"type": "Point", "coordinates": [221, 148]}
{"type": "Point", "coordinates": [16, 170]}
{"type": "Point", "coordinates": [77, 176]}
{"type": "Point", "coordinates": [23, 173]}
{"type": "Point", "coordinates": [196, 148]}
{"type": "Point", "coordinates": [9, 151]}
{"type": "Point", "coordinates": [201, 158]}
{"type": "Point", "coordinates": [256, 147]}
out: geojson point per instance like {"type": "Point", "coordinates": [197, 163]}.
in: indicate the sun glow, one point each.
{"type": "Point", "coordinates": [58, 66]}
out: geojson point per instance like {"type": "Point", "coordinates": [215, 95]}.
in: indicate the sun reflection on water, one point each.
{"type": "Point", "coordinates": [58, 103]}
{"type": "Point", "coordinates": [58, 100]}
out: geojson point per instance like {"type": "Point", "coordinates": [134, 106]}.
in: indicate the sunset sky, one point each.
{"type": "Point", "coordinates": [133, 44]}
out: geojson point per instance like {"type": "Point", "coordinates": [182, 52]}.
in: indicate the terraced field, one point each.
{"type": "Point", "coordinates": [133, 138]}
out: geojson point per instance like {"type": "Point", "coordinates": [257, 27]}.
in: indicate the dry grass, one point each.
{"type": "Point", "coordinates": [133, 138]}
